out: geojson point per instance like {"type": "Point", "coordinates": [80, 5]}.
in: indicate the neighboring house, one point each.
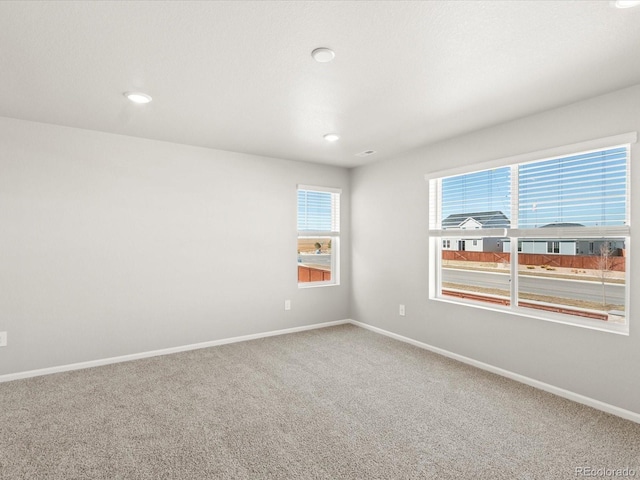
{"type": "Point", "coordinates": [475, 221]}
{"type": "Point", "coordinates": [465, 221]}
{"type": "Point", "coordinates": [577, 246]}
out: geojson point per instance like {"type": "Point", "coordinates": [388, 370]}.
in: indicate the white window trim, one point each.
{"type": "Point", "coordinates": [316, 188]}
{"type": "Point", "coordinates": [607, 142]}
{"type": "Point", "coordinates": [333, 234]}
{"type": "Point", "coordinates": [436, 232]}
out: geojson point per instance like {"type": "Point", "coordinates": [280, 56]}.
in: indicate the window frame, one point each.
{"type": "Point", "coordinates": [333, 235]}
{"type": "Point", "coordinates": [516, 235]}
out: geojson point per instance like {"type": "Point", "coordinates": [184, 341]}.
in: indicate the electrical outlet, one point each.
{"type": "Point", "coordinates": [3, 339]}
{"type": "Point", "coordinates": [287, 304]}
{"type": "Point", "coordinates": [401, 310]}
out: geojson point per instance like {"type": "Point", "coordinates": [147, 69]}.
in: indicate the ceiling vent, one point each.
{"type": "Point", "coordinates": [366, 153]}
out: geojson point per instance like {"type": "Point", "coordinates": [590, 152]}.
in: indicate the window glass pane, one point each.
{"type": "Point", "coordinates": [315, 259]}
{"type": "Point", "coordinates": [318, 224]}
{"type": "Point", "coordinates": [586, 278]}
{"type": "Point", "coordinates": [479, 272]}
{"type": "Point", "coordinates": [556, 272]}
{"type": "Point", "coordinates": [477, 200]}
{"type": "Point", "coordinates": [318, 211]}
{"type": "Point", "coordinates": [580, 190]}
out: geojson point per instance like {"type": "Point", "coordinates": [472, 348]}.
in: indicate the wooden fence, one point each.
{"type": "Point", "coordinates": [577, 262]}
{"type": "Point", "coordinates": [311, 274]}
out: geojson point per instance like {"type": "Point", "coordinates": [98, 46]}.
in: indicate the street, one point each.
{"type": "Point", "coordinates": [553, 287]}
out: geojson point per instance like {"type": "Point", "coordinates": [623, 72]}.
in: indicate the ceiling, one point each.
{"type": "Point", "coordinates": [239, 75]}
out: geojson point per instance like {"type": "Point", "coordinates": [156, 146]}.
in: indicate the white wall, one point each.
{"type": "Point", "coordinates": [390, 261]}
{"type": "Point", "coordinates": [112, 245]}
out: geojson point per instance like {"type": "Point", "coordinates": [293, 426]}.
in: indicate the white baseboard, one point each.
{"type": "Point", "coordinates": [561, 392]}
{"type": "Point", "coordinates": [165, 351]}
{"type": "Point", "coordinates": [597, 404]}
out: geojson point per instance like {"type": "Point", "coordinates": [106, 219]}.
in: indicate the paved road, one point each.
{"type": "Point", "coordinates": [315, 259]}
{"type": "Point", "coordinates": [556, 287]}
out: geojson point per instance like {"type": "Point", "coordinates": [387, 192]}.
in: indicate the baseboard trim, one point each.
{"type": "Point", "coordinates": [576, 397]}
{"type": "Point", "coordinates": [561, 392]}
{"type": "Point", "coordinates": [165, 351]}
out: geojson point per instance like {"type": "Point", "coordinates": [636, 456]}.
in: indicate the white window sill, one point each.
{"type": "Point", "coordinates": [317, 284]}
{"type": "Point", "coordinates": [599, 325]}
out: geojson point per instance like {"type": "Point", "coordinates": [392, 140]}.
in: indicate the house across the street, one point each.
{"type": "Point", "coordinates": [475, 221]}
{"type": "Point", "coordinates": [575, 246]}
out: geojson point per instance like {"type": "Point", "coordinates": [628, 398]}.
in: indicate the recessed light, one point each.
{"type": "Point", "coordinates": [138, 97]}
{"type": "Point", "coordinates": [625, 3]}
{"type": "Point", "coordinates": [331, 137]}
{"type": "Point", "coordinates": [323, 55]}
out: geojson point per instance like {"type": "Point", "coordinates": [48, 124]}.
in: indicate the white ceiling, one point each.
{"type": "Point", "coordinates": [239, 75]}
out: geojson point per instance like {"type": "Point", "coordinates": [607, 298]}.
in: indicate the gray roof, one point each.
{"type": "Point", "coordinates": [493, 219]}
{"type": "Point", "coordinates": [557, 225]}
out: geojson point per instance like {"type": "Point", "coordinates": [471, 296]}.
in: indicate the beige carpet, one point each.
{"type": "Point", "coordinates": [333, 403]}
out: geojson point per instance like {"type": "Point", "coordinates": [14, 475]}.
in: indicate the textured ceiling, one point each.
{"type": "Point", "coordinates": [239, 76]}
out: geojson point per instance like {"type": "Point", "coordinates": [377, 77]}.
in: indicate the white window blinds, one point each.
{"type": "Point", "coordinates": [569, 192]}
{"type": "Point", "coordinates": [477, 200]}
{"type": "Point", "coordinates": [318, 211]}
{"type": "Point", "coordinates": [586, 190]}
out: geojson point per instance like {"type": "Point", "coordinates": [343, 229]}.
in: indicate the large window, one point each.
{"type": "Point", "coordinates": [318, 236]}
{"type": "Point", "coordinates": [546, 238]}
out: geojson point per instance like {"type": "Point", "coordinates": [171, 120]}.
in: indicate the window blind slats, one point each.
{"type": "Point", "coordinates": [477, 200]}
{"type": "Point", "coordinates": [583, 190]}
{"type": "Point", "coordinates": [572, 232]}
{"type": "Point", "coordinates": [588, 189]}
{"type": "Point", "coordinates": [318, 212]}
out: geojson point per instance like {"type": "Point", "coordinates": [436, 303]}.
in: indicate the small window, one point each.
{"type": "Point", "coordinates": [318, 236]}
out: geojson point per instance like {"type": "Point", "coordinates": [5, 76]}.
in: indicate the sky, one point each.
{"type": "Point", "coordinates": [588, 189]}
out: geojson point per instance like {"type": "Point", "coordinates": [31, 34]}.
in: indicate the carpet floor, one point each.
{"type": "Point", "coordinates": [333, 403]}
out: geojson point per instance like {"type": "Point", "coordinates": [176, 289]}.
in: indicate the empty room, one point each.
{"type": "Point", "coordinates": [319, 239]}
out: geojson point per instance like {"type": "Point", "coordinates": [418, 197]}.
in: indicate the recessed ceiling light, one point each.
{"type": "Point", "coordinates": [138, 97]}
{"type": "Point", "coordinates": [323, 55]}
{"type": "Point", "coordinates": [626, 3]}
{"type": "Point", "coordinates": [331, 137]}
